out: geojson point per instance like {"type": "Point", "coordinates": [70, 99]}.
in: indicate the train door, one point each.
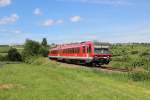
{"type": "Point", "coordinates": [88, 51]}
{"type": "Point", "coordinates": [84, 51]}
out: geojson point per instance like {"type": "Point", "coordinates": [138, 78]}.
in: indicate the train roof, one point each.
{"type": "Point", "coordinates": [78, 44]}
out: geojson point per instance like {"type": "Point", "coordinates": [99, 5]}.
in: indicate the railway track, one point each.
{"type": "Point", "coordinates": [115, 69]}
{"type": "Point", "coordinates": [101, 68]}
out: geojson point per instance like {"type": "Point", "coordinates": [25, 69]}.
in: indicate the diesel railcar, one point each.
{"type": "Point", "coordinates": [85, 52]}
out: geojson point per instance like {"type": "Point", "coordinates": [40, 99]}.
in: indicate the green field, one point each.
{"type": "Point", "coordinates": [4, 49]}
{"type": "Point", "coordinates": [45, 80]}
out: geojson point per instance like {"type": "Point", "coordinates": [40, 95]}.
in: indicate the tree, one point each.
{"type": "Point", "coordinates": [44, 42]}
{"type": "Point", "coordinates": [44, 48]}
{"type": "Point", "coordinates": [43, 51]}
{"type": "Point", "coordinates": [14, 55]}
{"type": "Point", "coordinates": [31, 48]}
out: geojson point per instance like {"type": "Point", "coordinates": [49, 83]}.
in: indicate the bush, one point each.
{"type": "Point", "coordinates": [139, 76]}
{"type": "Point", "coordinates": [14, 55]}
{"type": "Point", "coordinates": [134, 52]}
{"type": "Point", "coordinates": [124, 58]}
{"type": "Point", "coordinates": [1, 58]}
{"type": "Point", "coordinates": [31, 48]}
{"type": "Point", "coordinates": [30, 59]}
{"type": "Point", "coordinates": [34, 48]}
{"type": "Point", "coordinates": [147, 66]}
{"type": "Point", "coordinates": [137, 62]}
{"type": "Point", "coordinates": [43, 51]}
{"type": "Point", "coordinates": [144, 53]}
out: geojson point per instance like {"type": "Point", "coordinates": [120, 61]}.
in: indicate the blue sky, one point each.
{"type": "Point", "coordinates": [62, 21]}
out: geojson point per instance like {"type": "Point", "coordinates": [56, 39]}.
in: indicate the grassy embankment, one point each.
{"type": "Point", "coordinates": [45, 80]}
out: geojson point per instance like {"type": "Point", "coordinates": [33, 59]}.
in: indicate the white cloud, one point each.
{"type": "Point", "coordinates": [48, 23]}
{"type": "Point", "coordinates": [4, 3]}
{"type": "Point", "coordinates": [51, 22]}
{"type": "Point", "coordinates": [9, 19]}
{"type": "Point", "coordinates": [38, 12]}
{"type": "Point", "coordinates": [60, 21]}
{"type": "Point", "coordinates": [16, 31]}
{"type": "Point", "coordinates": [75, 19]}
{"type": "Point", "coordinates": [106, 2]}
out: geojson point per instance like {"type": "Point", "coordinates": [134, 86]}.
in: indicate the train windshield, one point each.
{"type": "Point", "coordinates": [101, 50]}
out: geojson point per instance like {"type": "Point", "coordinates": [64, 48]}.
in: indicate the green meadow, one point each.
{"type": "Point", "coordinates": [47, 80]}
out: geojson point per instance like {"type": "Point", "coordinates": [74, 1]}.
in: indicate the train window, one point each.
{"type": "Point", "coordinates": [84, 49]}
{"type": "Point", "coordinates": [89, 49]}
{"type": "Point", "coordinates": [78, 50]}
{"type": "Point", "coordinates": [64, 51]}
{"type": "Point", "coordinates": [73, 51]}
{"type": "Point", "coordinates": [70, 51]}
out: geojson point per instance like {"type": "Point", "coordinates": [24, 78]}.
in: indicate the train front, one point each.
{"type": "Point", "coordinates": [101, 55]}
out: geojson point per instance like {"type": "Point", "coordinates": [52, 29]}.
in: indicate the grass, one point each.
{"type": "Point", "coordinates": [3, 54]}
{"type": "Point", "coordinates": [45, 80]}
{"type": "Point", "coordinates": [4, 49]}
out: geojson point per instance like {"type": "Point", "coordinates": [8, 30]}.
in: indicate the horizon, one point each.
{"type": "Point", "coordinates": [66, 21]}
{"type": "Point", "coordinates": [112, 43]}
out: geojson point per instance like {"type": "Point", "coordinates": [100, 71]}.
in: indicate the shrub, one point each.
{"type": "Point", "coordinates": [31, 48]}
{"type": "Point", "coordinates": [147, 66]}
{"type": "Point", "coordinates": [137, 62]}
{"type": "Point", "coordinates": [144, 53]}
{"type": "Point", "coordinates": [30, 59]}
{"type": "Point", "coordinates": [34, 48]}
{"type": "Point", "coordinates": [134, 52]}
{"type": "Point", "coordinates": [14, 55]}
{"type": "Point", "coordinates": [1, 58]}
{"type": "Point", "coordinates": [43, 51]}
{"type": "Point", "coordinates": [124, 58]}
{"type": "Point", "coordinates": [139, 76]}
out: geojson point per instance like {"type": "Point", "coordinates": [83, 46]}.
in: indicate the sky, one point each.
{"type": "Point", "coordinates": [63, 21]}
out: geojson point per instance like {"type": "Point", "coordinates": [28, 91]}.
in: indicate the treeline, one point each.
{"type": "Point", "coordinates": [31, 48]}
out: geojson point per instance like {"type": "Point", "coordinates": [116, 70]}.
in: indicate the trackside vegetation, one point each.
{"type": "Point", "coordinates": [34, 48]}
{"type": "Point", "coordinates": [135, 57]}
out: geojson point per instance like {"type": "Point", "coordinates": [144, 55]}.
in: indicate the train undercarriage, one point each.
{"type": "Point", "coordinates": [95, 61]}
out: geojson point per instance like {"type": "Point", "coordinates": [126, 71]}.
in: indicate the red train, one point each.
{"type": "Point", "coordinates": [85, 52]}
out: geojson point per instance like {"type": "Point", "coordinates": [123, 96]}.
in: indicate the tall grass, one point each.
{"type": "Point", "coordinates": [139, 76]}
